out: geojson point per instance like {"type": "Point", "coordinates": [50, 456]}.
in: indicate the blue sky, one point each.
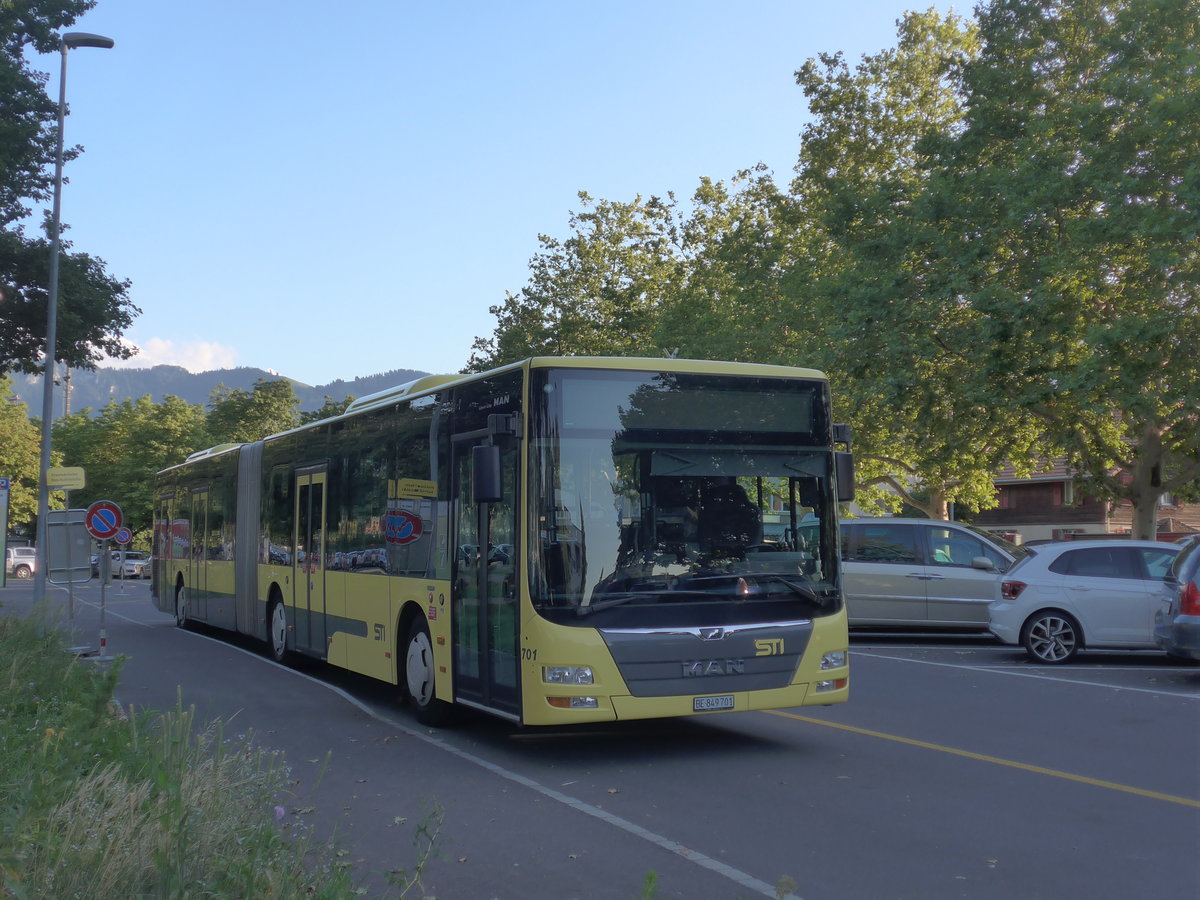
{"type": "Point", "coordinates": [330, 191]}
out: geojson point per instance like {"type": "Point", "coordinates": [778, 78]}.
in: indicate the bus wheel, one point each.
{"type": "Point", "coordinates": [277, 628]}
{"type": "Point", "coordinates": [419, 673]}
{"type": "Point", "coordinates": [181, 615]}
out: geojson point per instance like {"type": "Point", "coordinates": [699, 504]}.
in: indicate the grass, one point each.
{"type": "Point", "coordinates": [96, 804]}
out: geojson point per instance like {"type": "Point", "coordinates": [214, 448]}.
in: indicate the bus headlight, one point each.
{"type": "Point", "coordinates": [834, 660]}
{"type": "Point", "coordinates": [567, 674]}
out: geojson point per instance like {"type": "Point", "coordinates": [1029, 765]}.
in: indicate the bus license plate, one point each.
{"type": "Point", "coordinates": [704, 704]}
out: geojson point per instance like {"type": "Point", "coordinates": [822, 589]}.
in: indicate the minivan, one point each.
{"type": "Point", "coordinates": [921, 573]}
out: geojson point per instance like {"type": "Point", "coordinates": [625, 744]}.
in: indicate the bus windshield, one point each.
{"type": "Point", "coordinates": [667, 499]}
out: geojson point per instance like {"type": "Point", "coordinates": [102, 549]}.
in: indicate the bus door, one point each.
{"type": "Point", "coordinates": [309, 561]}
{"type": "Point", "coordinates": [197, 575]}
{"type": "Point", "coordinates": [484, 612]}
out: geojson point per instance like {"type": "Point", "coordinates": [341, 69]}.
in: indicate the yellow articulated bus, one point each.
{"type": "Point", "coordinates": [556, 541]}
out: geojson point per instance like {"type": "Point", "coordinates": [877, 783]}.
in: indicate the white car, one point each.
{"type": "Point", "coordinates": [1065, 597]}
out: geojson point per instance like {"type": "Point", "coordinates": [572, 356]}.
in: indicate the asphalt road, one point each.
{"type": "Point", "coordinates": [957, 770]}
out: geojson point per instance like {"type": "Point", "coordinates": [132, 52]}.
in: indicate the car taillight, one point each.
{"type": "Point", "coordinates": [1189, 599]}
{"type": "Point", "coordinates": [1011, 590]}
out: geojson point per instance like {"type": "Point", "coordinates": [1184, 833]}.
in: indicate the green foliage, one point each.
{"type": "Point", "coordinates": [20, 459]}
{"type": "Point", "coordinates": [98, 311]}
{"type": "Point", "coordinates": [122, 448]}
{"type": "Point", "coordinates": [1065, 215]}
{"type": "Point", "coordinates": [900, 359]}
{"type": "Point", "coordinates": [237, 416]}
{"type": "Point", "coordinates": [328, 410]}
{"type": "Point", "coordinates": [95, 804]}
{"type": "Point", "coordinates": [596, 293]}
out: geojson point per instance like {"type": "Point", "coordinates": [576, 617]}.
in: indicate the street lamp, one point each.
{"type": "Point", "coordinates": [70, 41]}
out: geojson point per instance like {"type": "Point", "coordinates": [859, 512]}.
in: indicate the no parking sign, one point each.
{"type": "Point", "coordinates": [103, 520]}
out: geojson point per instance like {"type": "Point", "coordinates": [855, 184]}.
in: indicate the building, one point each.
{"type": "Point", "coordinates": [1051, 505]}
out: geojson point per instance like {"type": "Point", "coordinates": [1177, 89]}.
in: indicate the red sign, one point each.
{"type": "Point", "coordinates": [103, 520]}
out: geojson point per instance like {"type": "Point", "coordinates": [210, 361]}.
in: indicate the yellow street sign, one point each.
{"type": "Point", "coordinates": [65, 478]}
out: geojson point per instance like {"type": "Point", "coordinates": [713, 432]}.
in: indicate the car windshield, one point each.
{"type": "Point", "coordinates": [1016, 551]}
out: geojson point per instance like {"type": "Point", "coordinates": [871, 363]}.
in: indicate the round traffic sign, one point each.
{"type": "Point", "coordinates": [103, 520]}
{"type": "Point", "coordinates": [124, 535]}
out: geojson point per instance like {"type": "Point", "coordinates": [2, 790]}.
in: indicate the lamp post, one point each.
{"type": "Point", "coordinates": [70, 41]}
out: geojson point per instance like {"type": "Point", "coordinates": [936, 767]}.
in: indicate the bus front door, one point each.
{"type": "Point", "coordinates": [309, 562]}
{"type": "Point", "coordinates": [485, 620]}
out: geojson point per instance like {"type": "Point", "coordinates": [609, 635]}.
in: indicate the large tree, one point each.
{"type": "Point", "coordinates": [898, 362]}
{"type": "Point", "coordinates": [95, 309]}
{"type": "Point", "coordinates": [1068, 216]}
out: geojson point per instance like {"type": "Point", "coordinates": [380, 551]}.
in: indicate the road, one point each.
{"type": "Point", "coordinates": [957, 770]}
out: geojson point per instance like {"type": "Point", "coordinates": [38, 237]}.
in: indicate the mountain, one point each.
{"type": "Point", "coordinates": [94, 389]}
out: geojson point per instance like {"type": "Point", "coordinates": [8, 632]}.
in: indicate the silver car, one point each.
{"type": "Point", "coordinates": [1065, 597]}
{"type": "Point", "coordinates": [921, 573]}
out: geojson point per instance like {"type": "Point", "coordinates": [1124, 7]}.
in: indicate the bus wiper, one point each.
{"type": "Point", "coordinates": [618, 598]}
{"type": "Point", "coordinates": [806, 592]}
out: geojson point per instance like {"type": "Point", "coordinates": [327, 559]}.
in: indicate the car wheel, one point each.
{"type": "Point", "coordinates": [1051, 637]}
{"type": "Point", "coordinates": [22, 572]}
{"type": "Point", "coordinates": [181, 607]}
{"type": "Point", "coordinates": [277, 626]}
{"type": "Point", "coordinates": [419, 675]}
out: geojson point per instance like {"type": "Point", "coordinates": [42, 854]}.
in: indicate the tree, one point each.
{"type": "Point", "coordinates": [20, 459]}
{"type": "Point", "coordinates": [328, 410]}
{"type": "Point", "coordinates": [1066, 211]}
{"type": "Point", "coordinates": [123, 448]}
{"type": "Point", "coordinates": [898, 359]}
{"type": "Point", "coordinates": [596, 293]}
{"type": "Point", "coordinates": [237, 416]}
{"type": "Point", "coordinates": [730, 301]}
{"type": "Point", "coordinates": [97, 310]}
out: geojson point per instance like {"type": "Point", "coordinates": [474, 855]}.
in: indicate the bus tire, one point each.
{"type": "Point", "coordinates": [181, 606]}
{"type": "Point", "coordinates": [420, 676]}
{"type": "Point", "coordinates": [277, 630]}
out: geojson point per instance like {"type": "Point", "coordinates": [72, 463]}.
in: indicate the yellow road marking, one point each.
{"type": "Point", "coordinates": [995, 760]}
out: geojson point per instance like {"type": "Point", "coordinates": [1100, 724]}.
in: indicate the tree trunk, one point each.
{"type": "Point", "coordinates": [1146, 484]}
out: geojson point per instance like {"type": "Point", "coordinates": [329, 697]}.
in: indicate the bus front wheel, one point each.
{"type": "Point", "coordinates": [419, 676]}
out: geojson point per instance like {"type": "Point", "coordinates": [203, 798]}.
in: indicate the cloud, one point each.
{"type": "Point", "coordinates": [195, 356]}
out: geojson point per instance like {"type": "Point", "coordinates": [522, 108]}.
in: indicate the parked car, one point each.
{"type": "Point", "coordinates": [921, 573]}
{"type": "Point", "coordinates": [20, 562]}
{"type": "Point", "coordinates": [1065, 597]}
{"type": "Point", "coordinates": [1177, 619]}
{"type": "Point", "coordinates": [136, 564]}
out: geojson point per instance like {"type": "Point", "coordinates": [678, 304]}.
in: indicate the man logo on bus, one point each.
{"type": "Point", "coordinates": [401, 527]}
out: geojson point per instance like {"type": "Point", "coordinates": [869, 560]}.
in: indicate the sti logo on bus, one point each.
{"type": "Point", "coordinates": [401, 527]}
{"type": "Point", "coordinates": [693, 668]}
{"type": "Point", "coordinates": [768, 647]}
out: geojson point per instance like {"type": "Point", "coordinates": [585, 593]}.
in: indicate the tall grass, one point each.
{"type": "Point", "coordinates": [97, 804]}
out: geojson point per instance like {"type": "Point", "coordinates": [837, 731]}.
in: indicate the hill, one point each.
{"type": "Point", "coordinates": [95, 389]}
